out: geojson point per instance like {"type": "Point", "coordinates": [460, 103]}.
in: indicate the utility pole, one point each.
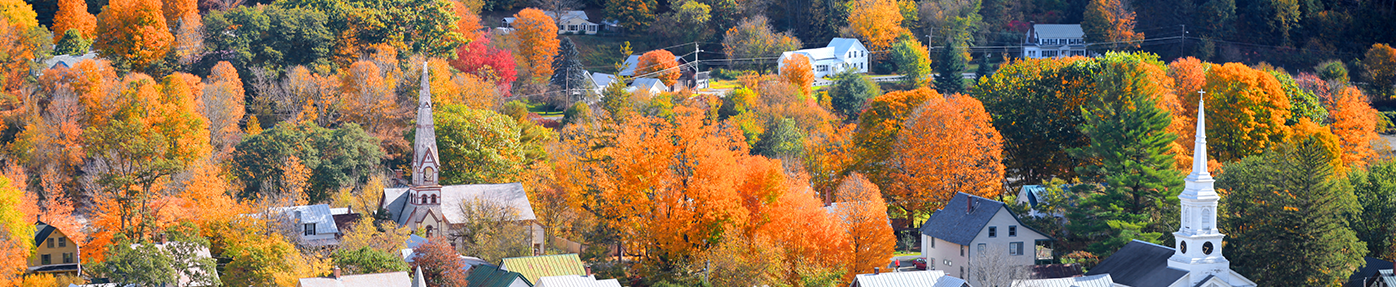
{"type": "Point", "coordinates": [1184, 41]}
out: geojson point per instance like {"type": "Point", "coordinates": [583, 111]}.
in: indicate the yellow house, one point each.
{"type": "Point", "coordinates": [55, 253]}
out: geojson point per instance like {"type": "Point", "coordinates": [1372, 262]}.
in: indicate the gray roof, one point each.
{"type": "Point", "coordinates": [68, 61]}
{"type": "Point", "coordinates": [926, 278]}
{"type": "Point", "coordinates": [511, 194]}
{"type": "Point", "coordinates": [392, 279]}
{"type": "Point", "coordinates": [1388, 277]}
{"type": "Point", "coordinates": [575, 281]}
{"type": "Point", "coordinates": [318, 214]}
{"type": "Point", "coordinates": [1102, 280]}
{"type": "Point", "coordinates": [601, 80]}
{"type": "Point", "coordinates": [1058, 31]}
{"type": "Point", "coordinates": [842, 45]}
{"type": "Point", "coordinates": [648, 84]}
{"type": "Point", "coordinates": [959, 224]}
{"type": "Point", "coordinates": [1371, 268]}
{"type": "Point", "coordinates": [1140, 264]}
{"type": "Point", "coordinates": [42, 233]}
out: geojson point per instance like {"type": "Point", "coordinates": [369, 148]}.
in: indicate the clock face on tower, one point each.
{"type": "Point", "coordinates": [1207, 248]}
{"type": "Point", "coordinates": [1183, 246]}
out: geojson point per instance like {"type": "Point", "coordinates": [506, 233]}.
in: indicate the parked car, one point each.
{"type": "Point", "coordinates": [920, 263]}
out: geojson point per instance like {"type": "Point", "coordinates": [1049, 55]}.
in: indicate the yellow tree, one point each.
{"type": "Point", "coordinates": [949, 145]}
{"type": "Point", "coordinates": [72, 14]}
{"type": "Point", "coordinates": [19, 45]}
{"type": "Point", "coordinates": [864, 217]}
{"type": "Point", "coordinates": [876, 22]}
{"type": "Point", "coordinates": [1189, 76]}
{"type": "Point", "coordinates": [796, 71]}
{"type": "Point", "coordinates": [1380, 62]}
{"type": "Point", "coordinates": [16, 227]}
{"type": "Point", "coordinates": [222, 103]}
{"type": "Point", "coordinates": [1248, 109]}
{"type": "Point", "coordinates": [1355, 123]}
{"type": "Point", "coordinates": [1109, 21]}
{"type": "Point", "coordinates": [134, 31]}
{"type": "Point", "coordinates": [658, 64]}
{"type": "Point", "coordinates": [368, 95]}
{"type": "Point", "coordinates": [537, 34]}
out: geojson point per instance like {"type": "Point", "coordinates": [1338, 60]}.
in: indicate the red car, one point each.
{"type": "Point", "coordinates": [920, 263]}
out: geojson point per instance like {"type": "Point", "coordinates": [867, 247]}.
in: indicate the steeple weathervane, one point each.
{"type": "Point", "coordinates": [426, 165]}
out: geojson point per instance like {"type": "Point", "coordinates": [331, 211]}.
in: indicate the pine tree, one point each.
{"type": "Point", "coordinates": [568, 72]}
{"type": "Point", "coordinates": [1285, 212]}
{"type": "Point", "coordinates": [952, 65]}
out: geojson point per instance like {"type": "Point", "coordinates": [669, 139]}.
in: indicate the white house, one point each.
{"type": "Point", "coordinates": [571, 22]}
{"type": "Point", "coordinates": [315, 222]}
{"type": "Point", "coordinates": [971, 226]}
{"type": "Point", "coordinates": [1054, 40]}
{"type": "Point", "coordinates": [648, 85]}
{"type": "Point", "coordinates": [1198, 259]}
{"type": "Point", "coordinates": [925, 278]}
{"type": "Point", "coordinates": [841, 54]}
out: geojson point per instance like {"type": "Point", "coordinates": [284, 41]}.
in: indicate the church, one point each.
{"type": "Point", "coordinates": [437, 210]}
{"type": "Point", "coordinates": [1197, 260]}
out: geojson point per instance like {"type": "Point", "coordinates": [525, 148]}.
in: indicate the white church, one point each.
{"type": "Point", "coordinates": [1197, 260]}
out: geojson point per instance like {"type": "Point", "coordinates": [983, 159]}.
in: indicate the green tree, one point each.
{"type": "Point", "coordinates": [850, 92]}
{"type": "Point", "coordinates": [72, 44]}
{"type": "Point", "coordinates": [579, 112]}
{"type": "Point", "coordinates": [268, 36]}
{"type": "Point", "coordinates": [1036, 106]}
{"type": "Point", "coordinates": [783, 139]}
{"type": "Point", "coordinates": [1303, 103]}
{"type": "Point", "coordinates": [1129, 142]}
{"type": "Point", "coordinates": [366, 260]}
{"type": "Point", "coordinates": [138, 263]}
{"type": "Point", "coordinates": [1099, 222]}
{"type": "Point", "coordinates": [912, 61]}
{"type": "Point", "coordinates": [753, 38]}
{"type": "Point", "coordinates": [1376, 192]}
{"type": "Point", "coordinates": [636, 15]}
{"type": "Point", "coordinates": [985, 67]}
{"type": "Point", "coordinates": [1332, 71]}
{"type": "Point", "coordinates": [336, 158]}
{"type": "Point", "coordinates": [952, 65]}
{"type": "Point", "coordinates": [568, 71]}
{"type": "Point", "coordinates": [1286, 214]}
{"type": "Point", "coordinates": [483, 146]}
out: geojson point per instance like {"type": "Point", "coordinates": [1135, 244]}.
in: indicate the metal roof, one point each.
{"type": "Point", "coordinates": [490, 276]}
{"type": "Point", "coordinates": [534, 267]}
{"type": "Point", "coordinates": [1102, 280]}
{"type": "Point", "coordinates": [1140, 264]}
{"type": "Point", "coordinates": [318, 214]}
{"type": "Point", "coordinates": [927, 278]}
{"type": "Point", "coordinates": [392, 279]}
{"type": "Point", "coordinates": [511, 194]}
{"type": "Point", "coordinates": [575, 281]}
{"type": "Point", "coordinates": [1058, 31]}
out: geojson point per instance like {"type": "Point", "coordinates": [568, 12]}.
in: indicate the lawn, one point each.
{"type": "Point", "coordinates": [541, 109]}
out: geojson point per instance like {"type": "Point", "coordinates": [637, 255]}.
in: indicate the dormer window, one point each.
{"type": "Point", "coordinates": [309, 229]}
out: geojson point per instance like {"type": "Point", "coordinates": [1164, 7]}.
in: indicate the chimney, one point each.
{"type": "Point", "coordinates": [877, 270]}
{"type": "Point", "coordinates": [336, 272]}
{"type": "Point", "coordinates": [969, 204]}
{"type": "Point", "coordinates": [589, 271]}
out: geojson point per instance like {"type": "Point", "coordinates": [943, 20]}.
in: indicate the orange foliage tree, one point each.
{"type": "Point", "coordinates": [1248, 109]}
{"type": "Point", "coordinates": [16, 228]}
{"type": "Point", "coordinates": [368, 95]}
{"type": "Point", "coordinates": [134, 31]}
{"type": "Point", "coordinates": [537, 34]}
{"type": "Point", "coordinates": [796, 71]}
{"type": "Point", "coordinates": [1355, 124]}
{"type": "Point", "coordinates": [879, 127]}
{"type": "Point", "coordinates": [658, 64]}
{"type": "Point", "coordinates": [1189, 76]}
{"type": "Point", "coordinates": [72, 14]}
{"type": "Point", "coordinates": [1107, 21]}
{"type": "Point", "coordinates": [949, 145]}
{"type": "Point", "coordinates": [876, 22]}
{"type": "Point", "coordinates": [468, 26]}
{"type": "Point", "coordinates": [180, 12]}
{"type": "Point", "coordinates": [863, 215]}
{"type": "Point", "coordinates": [222, 103]}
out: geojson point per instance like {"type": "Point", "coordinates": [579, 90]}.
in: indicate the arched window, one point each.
{"type": "Point", "coordinates": [433, 199]}
{"type": "Point", "coordinates": [424, 199]}
{"type": "Point", "coordinates": [429, 230]}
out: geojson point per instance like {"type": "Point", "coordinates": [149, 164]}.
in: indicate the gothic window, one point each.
{"type": "Point", "coordinates": [423, 200]}
{"type": "Point", "coordinates": [433, 199]}
{"type": "Point", "coordinates": [429, 230]}
{"type": "Point", "coordinates": [429, 174]}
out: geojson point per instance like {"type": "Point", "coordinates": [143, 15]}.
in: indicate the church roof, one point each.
{"type": "Point", "coordinates": [511, 194]}
{"type": "Point", "coordinates": [1140, 264]}
{"type": "Point", "coordinates": [1102, 280]}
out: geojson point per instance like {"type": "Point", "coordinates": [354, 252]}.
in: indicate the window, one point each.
{"type": "Point", "coordinates": [823, 68]}
{"type": "Point", "coordinates": [50, 243]}
{"type": "Point", "coordinates": [62, 242]}
{"type": "Point", "coordinates": [1015, 248]}
{"type": "Point", "coordinates": [45, 259]}
{"type": "Point", "coordinates": [1012, 231]}
{"type": "Point", "coordinates": [429, 230]}
{"type": "Point", "coordinates": [591, 28]}
{"type": "Point", "coordinates": [933, 241]}
{"type": "Point", "coordinates": [931, 264]}
{"type": "Point", "coordinates": [962, 272]}
{"type": "Point", "coordinates": [962, 251]}
{"type": "Point", "coordinates": [571, 27]}
{"type": "Point", "coordinates": [983, 247]}
{"type": "Point", "coordinates": [67, 258]}
{"type": "Point", "coordinates": [309, 229]}
{"type": "Point", "coordinates": [993, 231]}
{"type": "Point", "coordinates": [433, 199]}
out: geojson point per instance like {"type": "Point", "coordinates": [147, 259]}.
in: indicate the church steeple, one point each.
{"type": "Point", "coordinates": [426, 166]}
{"type": "Point", "coordinates": [1199, 242]}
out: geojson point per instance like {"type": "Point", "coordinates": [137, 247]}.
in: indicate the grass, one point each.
{"type": "Point", "coordinates": [541, 109]}
{"type": "Point", "coordinates": [899, 254]}
{"type": "Point", "coordinates": [723, 84]}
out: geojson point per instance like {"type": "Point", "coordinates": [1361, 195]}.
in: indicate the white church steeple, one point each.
{"type": "Point", "coordinates": [1199, 245]}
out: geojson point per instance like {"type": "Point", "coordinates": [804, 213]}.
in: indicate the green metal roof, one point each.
{"type": "Point", "coordinates": [490, 276]}
{"type": "Point", "coordinates": [535, 267]}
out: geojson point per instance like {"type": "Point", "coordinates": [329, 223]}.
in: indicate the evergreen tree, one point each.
{"type": "Point", "coordinates": [985, 67]}
{"type": "Point", "coordinates": [568, 71]}
{"type": "Point", "coordinates": [72, 44]}
{"type": "Point", "coordinates": [952, 65]}
{"type": "Point", "coordinates": [1286, 215]}
{"type": "Point", "coordinates": [1099, 222]}
{"type": "Point", "coordinates": [1376, 192]}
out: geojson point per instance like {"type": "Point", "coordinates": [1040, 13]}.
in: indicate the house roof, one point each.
{"type": "Point", "coordinates": [68, 61]}
{"type": "Point", "coordinates": [569, 14]}
{"type": "Point", "coordinates": [1058, 30]}
{"type": "Point", "coordinates": [601, 80]}
{"type": "Point", "coordinates": [319, 214]}
{"type": "Point", "coordinates": [1140, 264]}
{"type": "Point", "coordinates": [959, 224]}
{"type": "Point", "coordinates": [391, 279]}
{"type": "Point", "coordinates": [1372, 267]}
{"type": "Point", "coordinates": [1388, 277]}
{"type": "Point", "coordinates": [814, 55]}
{"type": "Point", "coordinates": [534, 267]}
{"type": "Point", "coordinates": [927, 278]}
{"type": "Point", "coordinates": [491, 276]}
{"type": "Point", "coordinates": [575, 281]}
{"type": "Point", "coordinates": [42, 232]}
{"type": "Point", "coordinates": [511, 194]}
{"type": "Point", "coordinates": [1051, 271]}
{"type": "Point", "coordinates": [1102, 280]}
{"type": "Point", "coordinates": [648, 84]}
{"type": "Point", "coordinates": [842, 45]}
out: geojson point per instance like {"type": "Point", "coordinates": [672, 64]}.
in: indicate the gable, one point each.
{"type": "Point", "coordinates": [1002, 220]}
{"type": "Point", "coordinates": [961, 219]}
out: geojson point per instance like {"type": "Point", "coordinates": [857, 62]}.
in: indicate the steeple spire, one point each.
{"type": "Point", "coordinates": [1199, 148]}
{"type": "Point", "coordinates": [426, 165]}
{"type": "Point", "coordinates": [1198, 241]}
